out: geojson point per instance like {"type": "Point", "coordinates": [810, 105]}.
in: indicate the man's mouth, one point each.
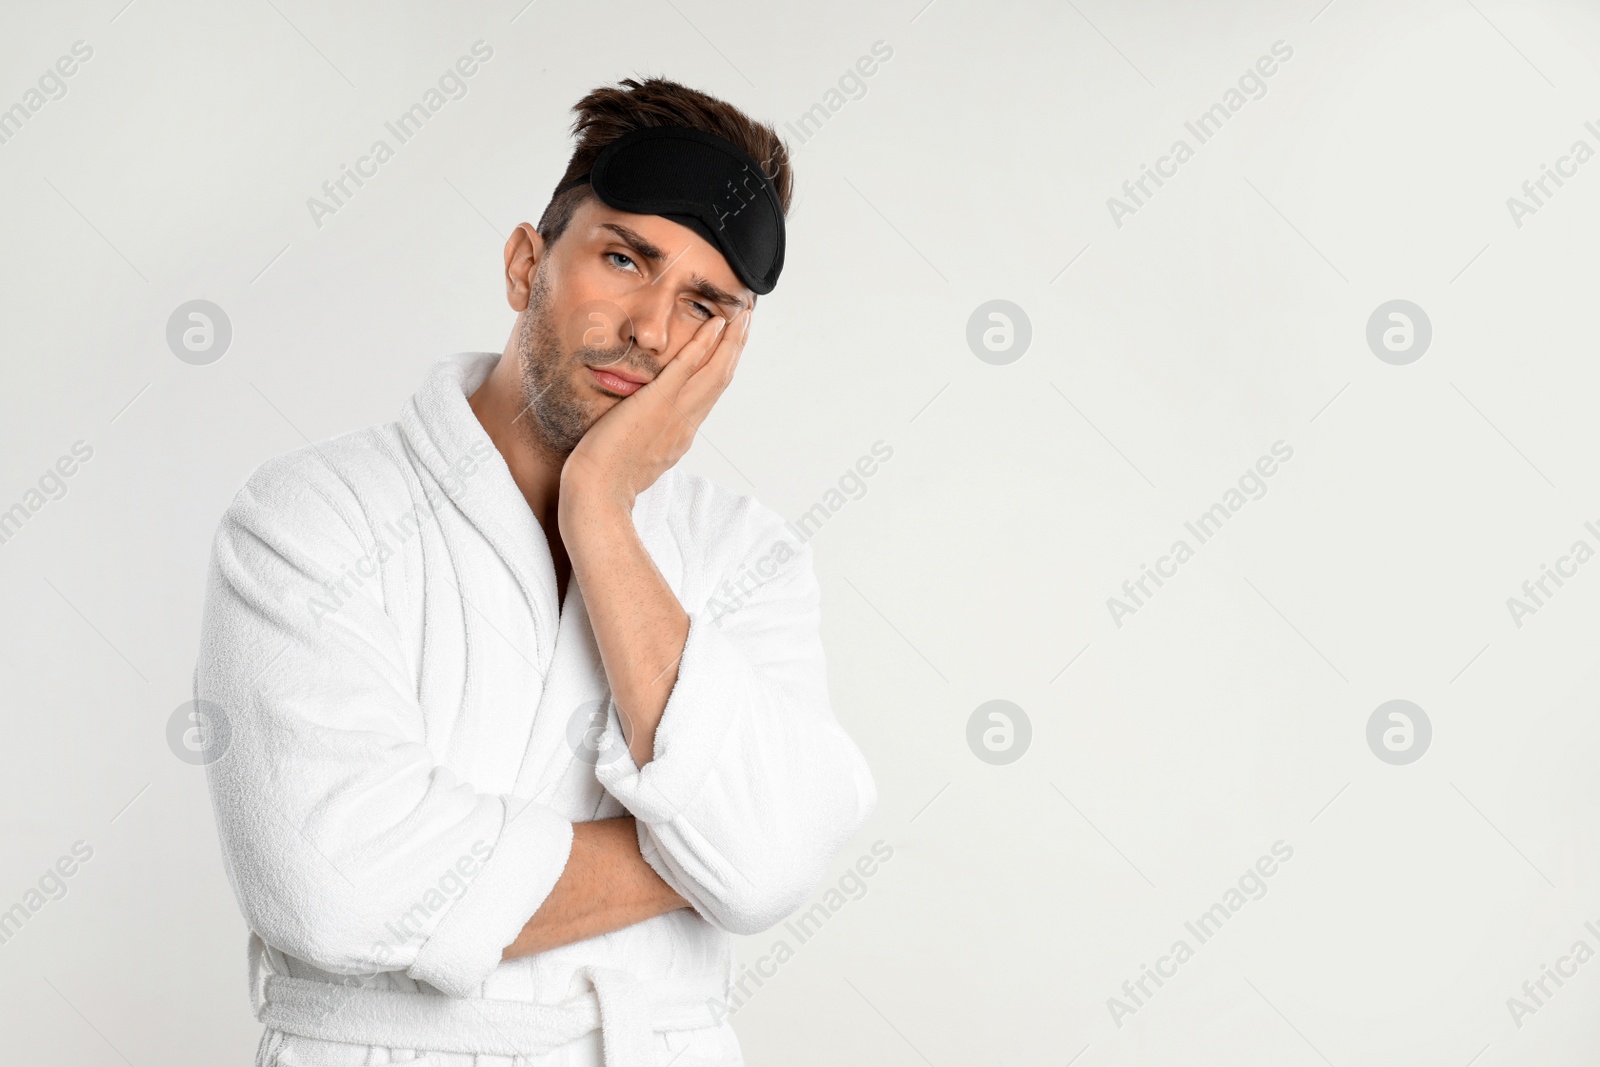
{"type": "Point", "coordinates": [621, 382]}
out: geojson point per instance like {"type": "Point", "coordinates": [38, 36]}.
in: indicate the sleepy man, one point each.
{"type": "Point", "coordinates": [502, 776]}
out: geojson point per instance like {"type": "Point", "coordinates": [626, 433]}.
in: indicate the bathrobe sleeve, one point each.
{"type": "Point", "coordinates": [753, 785]}
{"type": "Point", "coordinates": [346, 843]}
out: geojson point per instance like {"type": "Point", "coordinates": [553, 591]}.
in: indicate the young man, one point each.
{"type": "Point", "coordinates": [503, 769]}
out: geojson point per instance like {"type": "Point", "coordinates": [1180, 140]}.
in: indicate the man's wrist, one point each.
{"type": "Point", "coordinates": [583, 507]}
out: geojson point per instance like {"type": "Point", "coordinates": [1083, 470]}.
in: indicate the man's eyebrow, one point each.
{"type": "Point", "coordinates": [635, 241]}
{"type": "Point", "coordinates": [702, 286]}
{"type": "Point", "coordinates": [706, 288]}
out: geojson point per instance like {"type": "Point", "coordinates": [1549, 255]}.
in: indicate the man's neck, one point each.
{"type": "Point", "coordinates": [498, 404]}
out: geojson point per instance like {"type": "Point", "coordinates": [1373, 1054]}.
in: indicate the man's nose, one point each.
{"type": "Point", "coordinates": [649, 311]}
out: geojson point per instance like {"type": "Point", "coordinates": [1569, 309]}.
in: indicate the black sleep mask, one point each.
{"type": "Point", "coordinates": [700, 181]}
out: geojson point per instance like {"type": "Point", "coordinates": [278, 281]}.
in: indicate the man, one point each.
{"type": "Point", "coordinates": [503, 775]}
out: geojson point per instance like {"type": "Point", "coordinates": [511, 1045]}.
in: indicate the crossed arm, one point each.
{"type": "Point", "coordinates": [606, 885]}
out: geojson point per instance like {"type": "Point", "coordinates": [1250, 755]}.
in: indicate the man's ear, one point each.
{"type": "Point", "coordinates": [524, 250]}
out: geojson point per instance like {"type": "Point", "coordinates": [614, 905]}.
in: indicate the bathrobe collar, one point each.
{"type": "Point", "coordinates": [445, 435]}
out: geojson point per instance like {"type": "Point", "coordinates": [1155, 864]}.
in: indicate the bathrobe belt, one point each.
{"type": "Point", "coordinates": [625, 1009]}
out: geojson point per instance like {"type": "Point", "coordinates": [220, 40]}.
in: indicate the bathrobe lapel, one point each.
{"type": "Point", "coordinates": [558, 768]}
{"type": "Point", "coordinates": [442, 430]}
{"type": "Point", "coordinates": [441, 427]}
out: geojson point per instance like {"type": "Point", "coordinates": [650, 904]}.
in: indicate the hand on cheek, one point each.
{"type": "Point", "coordinates": [641, 436]}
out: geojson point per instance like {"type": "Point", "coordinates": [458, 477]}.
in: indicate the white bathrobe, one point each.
{"type": "Point", "coordinates": [408, 727]}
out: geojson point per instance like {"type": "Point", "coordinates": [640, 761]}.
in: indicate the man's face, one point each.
{"type": "Point", "coordinates": [613, 301]}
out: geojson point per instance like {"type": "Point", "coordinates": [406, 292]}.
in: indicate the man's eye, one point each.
{"type": "Point", "coordinates": [614, 256]}
{"type": "Point", "coordinates": [705, 311]}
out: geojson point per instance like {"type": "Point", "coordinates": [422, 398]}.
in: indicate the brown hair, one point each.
{"type": "Point", "coordinates": [609, 112]}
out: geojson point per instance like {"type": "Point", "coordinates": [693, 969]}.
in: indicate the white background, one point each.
{"type": "Point", "coordinates": [1227, 314]}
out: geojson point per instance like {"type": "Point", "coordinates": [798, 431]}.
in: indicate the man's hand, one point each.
{"type": "Point", "coordinates": [631, 445]}
{"type": "Point", "coordinates": [637, 620]}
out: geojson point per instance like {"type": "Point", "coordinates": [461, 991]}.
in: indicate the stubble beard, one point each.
{"type": "Point", "coordinates": [556, 417]}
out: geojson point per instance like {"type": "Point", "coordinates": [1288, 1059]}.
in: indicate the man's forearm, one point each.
{"type": "Point", "coordinates": [606, 886]}
{"type": "Point", "coordinates": [638, 623]}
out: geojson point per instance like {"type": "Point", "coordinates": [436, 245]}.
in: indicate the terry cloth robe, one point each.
{"type": "Point", "coordinates": [405, 728]}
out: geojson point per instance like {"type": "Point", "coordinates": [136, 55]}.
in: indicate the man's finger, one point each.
{"type": "Point", "coordinates": [711, 345]}
{"type": "Point", "coordinates": [692, 357]}
{"type": "Point", "coordinates": [707, 384]}
{"type": "Point", "coordinates": [727, 351]}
